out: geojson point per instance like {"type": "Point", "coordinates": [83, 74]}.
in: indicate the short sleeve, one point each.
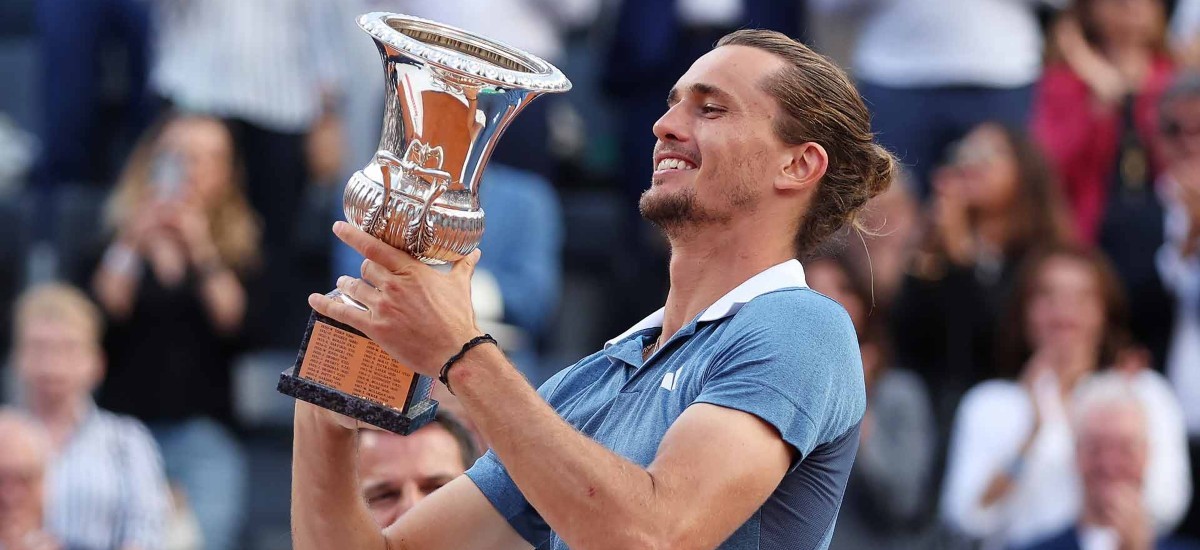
{"type": "Point", "coordinates": [492, 479]}
{"type": "Point", "coordinates": [795, 364]}
{"type": "Point", "coordinates": [494, 482]}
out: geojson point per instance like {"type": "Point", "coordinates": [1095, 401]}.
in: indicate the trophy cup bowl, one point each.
{"type": "Point", "coordinates": [449, 95]}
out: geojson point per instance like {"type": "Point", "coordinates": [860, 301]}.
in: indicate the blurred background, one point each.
{"type": "Point", "coordinates": [169, 170]}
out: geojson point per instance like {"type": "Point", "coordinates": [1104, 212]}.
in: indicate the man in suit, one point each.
{"type": "Point", "coordinates": [1112, 452]}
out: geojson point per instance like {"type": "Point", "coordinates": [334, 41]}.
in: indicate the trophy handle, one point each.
{"type": "Point", "coordinates": [387, 162]}
{"type": "Point", "coordinates": [418, 236]}
{"type": "Point", "coordinates": [424, 162]}
{"type": "Point", "coordinates": [417, 161]}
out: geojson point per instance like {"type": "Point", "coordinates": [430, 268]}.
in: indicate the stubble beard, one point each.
{"type": "Point", "coordinates": [678, 214]}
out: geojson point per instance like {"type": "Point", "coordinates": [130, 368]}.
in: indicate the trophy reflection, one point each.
{"type": "Point", "coordinates": [449, 95]}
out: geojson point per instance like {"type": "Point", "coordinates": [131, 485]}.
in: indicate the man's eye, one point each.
{"type": "Point", "coordinates": [431, 486]}
{"type": "Point", "coordinates": [382, 498]}
{"type": "Point", "coordinates": [709, 109]}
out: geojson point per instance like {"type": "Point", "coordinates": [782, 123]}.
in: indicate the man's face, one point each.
{"type": "Point", "coordinates": [1111, 451]}
{"type": "Point", "coordinates": [716, 142]}
{"type": "Point", "coordinates": [397, 471]}
{"type": "Point", "coordinates": [57, 360]}
{"type": "Point", "coordinates": [22, 469]}
{"type": "Point", "coordinates": [1180, 129]}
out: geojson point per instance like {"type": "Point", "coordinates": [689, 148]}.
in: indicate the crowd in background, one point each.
{"type": "Point", "coordinates": [1027, 297]}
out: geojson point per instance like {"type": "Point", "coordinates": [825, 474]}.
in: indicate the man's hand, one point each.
{"type": "Point", "coordinates": [951, 221]}
{"type": "Point", "coordinates": [1125, 512]}
{"type": "Point", "coordinates": [417, 314]}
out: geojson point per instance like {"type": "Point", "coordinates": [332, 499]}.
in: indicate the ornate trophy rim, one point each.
{"type": "Point", "coordinates": [542, 76]}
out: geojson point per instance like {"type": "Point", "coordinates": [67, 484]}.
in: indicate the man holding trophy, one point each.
{"type": "Point", "coordinates": [727, 419]}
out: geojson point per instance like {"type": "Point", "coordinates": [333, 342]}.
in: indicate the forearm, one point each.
{"type": "Point", "coordinates": [591, 497]}
{"type": "Point", "coordinates": [116, 281]}
{"type": "Point", "coordinates": [327, 510]}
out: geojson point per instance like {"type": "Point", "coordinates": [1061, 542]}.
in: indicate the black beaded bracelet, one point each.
{"type": "Point", "coordinates": [444, 377]}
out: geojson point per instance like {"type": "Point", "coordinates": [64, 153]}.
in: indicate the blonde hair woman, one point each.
{"type": "Point", "coordinates": [172, 284]}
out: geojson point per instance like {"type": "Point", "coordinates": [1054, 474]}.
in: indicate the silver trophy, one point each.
{"type": "Point", "coordinates": [449, 96]}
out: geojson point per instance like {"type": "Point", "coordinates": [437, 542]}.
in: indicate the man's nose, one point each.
{"type": "Point", "coordinates": [672, 125]}
{"type": "Point", "coordinates": [408, 498]}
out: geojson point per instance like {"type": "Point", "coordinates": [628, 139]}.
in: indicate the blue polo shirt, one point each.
{"type": "Point", "coordinates": [772, 348]}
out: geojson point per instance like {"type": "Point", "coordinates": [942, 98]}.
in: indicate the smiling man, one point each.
{"type": "Point", "coordinates": [727, 419]}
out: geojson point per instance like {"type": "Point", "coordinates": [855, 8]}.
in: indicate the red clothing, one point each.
{"type": "Point", "coordinates": [1081, 139]}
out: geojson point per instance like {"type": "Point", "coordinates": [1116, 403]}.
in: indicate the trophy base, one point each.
{"type": "Point", "coordinates": [338, 368]}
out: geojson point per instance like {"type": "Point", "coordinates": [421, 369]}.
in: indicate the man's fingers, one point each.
{"type": "Point", "coordinates": [466, 266]}
{"type": "Point", "coordinates": [371, 248]}
{"type": "Point", "coordinates": [339, 311]}
{"type": "Point", "coordinates": [375, 274]}
{"type": "Point", "coordinates": [359, 290]}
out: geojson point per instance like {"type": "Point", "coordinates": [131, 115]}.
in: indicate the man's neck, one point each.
{"type": "Point", "coordinates": [706, 267]}
{"type": "Point", "coordinates": [61, 418]}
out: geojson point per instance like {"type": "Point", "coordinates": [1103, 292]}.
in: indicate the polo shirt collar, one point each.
{"type": "Point", "coordinates": [789, 274]}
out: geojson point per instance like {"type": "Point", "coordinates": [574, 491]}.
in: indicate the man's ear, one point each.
{"type": "Point", "coordinates": [806, 165]}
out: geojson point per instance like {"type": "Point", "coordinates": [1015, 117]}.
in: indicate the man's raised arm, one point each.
{"type": "Point", "coordinates": [694, 495]}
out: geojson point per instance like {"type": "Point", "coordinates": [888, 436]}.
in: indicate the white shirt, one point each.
{"type": "Point", "coordinates": [106, 488]}
{"type": "Point", "coordinates": [1098, 538]}
{"type": "Point", "coordinates": [993, 421]}
{"type": "Point", "coordinates": [264, 61]}
{"type": "Point", "coordinates": [789, 274]}
{"type": "Point", "coordinates": [531, 25]}
{"type": "Point", "coordinates": [1185, 25]}
{"type": "Point", "coordinates": [1181, 276]}
{"type": "Point", "coordinates": [926, 43]}
{"type": "Point", "coordinates": [714, 13]}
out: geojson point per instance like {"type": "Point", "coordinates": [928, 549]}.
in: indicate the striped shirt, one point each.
{"type": "Point", "coordinates": [262, 61]}
{"type": "Point", "coordinates": [106, 489]}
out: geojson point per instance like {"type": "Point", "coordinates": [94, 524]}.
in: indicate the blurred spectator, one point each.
{"type": "Point", "coordinates": [394, 472]}
{"type": "Point", "coordinates": [1096, 117]}
{"type": "Point", "coordinates": [75, 42]}
{"type": "Point", "coordinates": [994, 202]}
{"type": "Point", "coordinates": [888, 486]}
{"type": "Point", "coordinates": [933, 69]}
{"type": "Point", "coordinates": [106, 485]}
{"type": "Point", "coordinates": [1185, 32]}
{"type": "Point", "coordinates": [1010, 477]}
{"type": "Point", "coordinates": [894, 218]}
{"type": "Point", "coordinates": [272, 70]}
{"type": "Point", "coordinates": [1178, 258]}
{"type": "Point", "coordinates": [536, 26]}
{"type": "Point", "coordinates": [1112, 454]}
{"type": "Point", "coordinates": [171, 282]}
{"type": "Point", "coordinates": [23, 467]}
{"type": "Point", "coordinates": [1095, 107]}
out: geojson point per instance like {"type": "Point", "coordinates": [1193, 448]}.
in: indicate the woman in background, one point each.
{"type": "Point", "coordinates": [1011, 477]}
{"type": "Point", "coordinates": [1096, 116]}
{"type": "Point", "coordinates": [172, 284]}
{"type": "Point", "coordinates": [1094, 112]}
{"type": "Point", "coordinates": [994, 200]}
